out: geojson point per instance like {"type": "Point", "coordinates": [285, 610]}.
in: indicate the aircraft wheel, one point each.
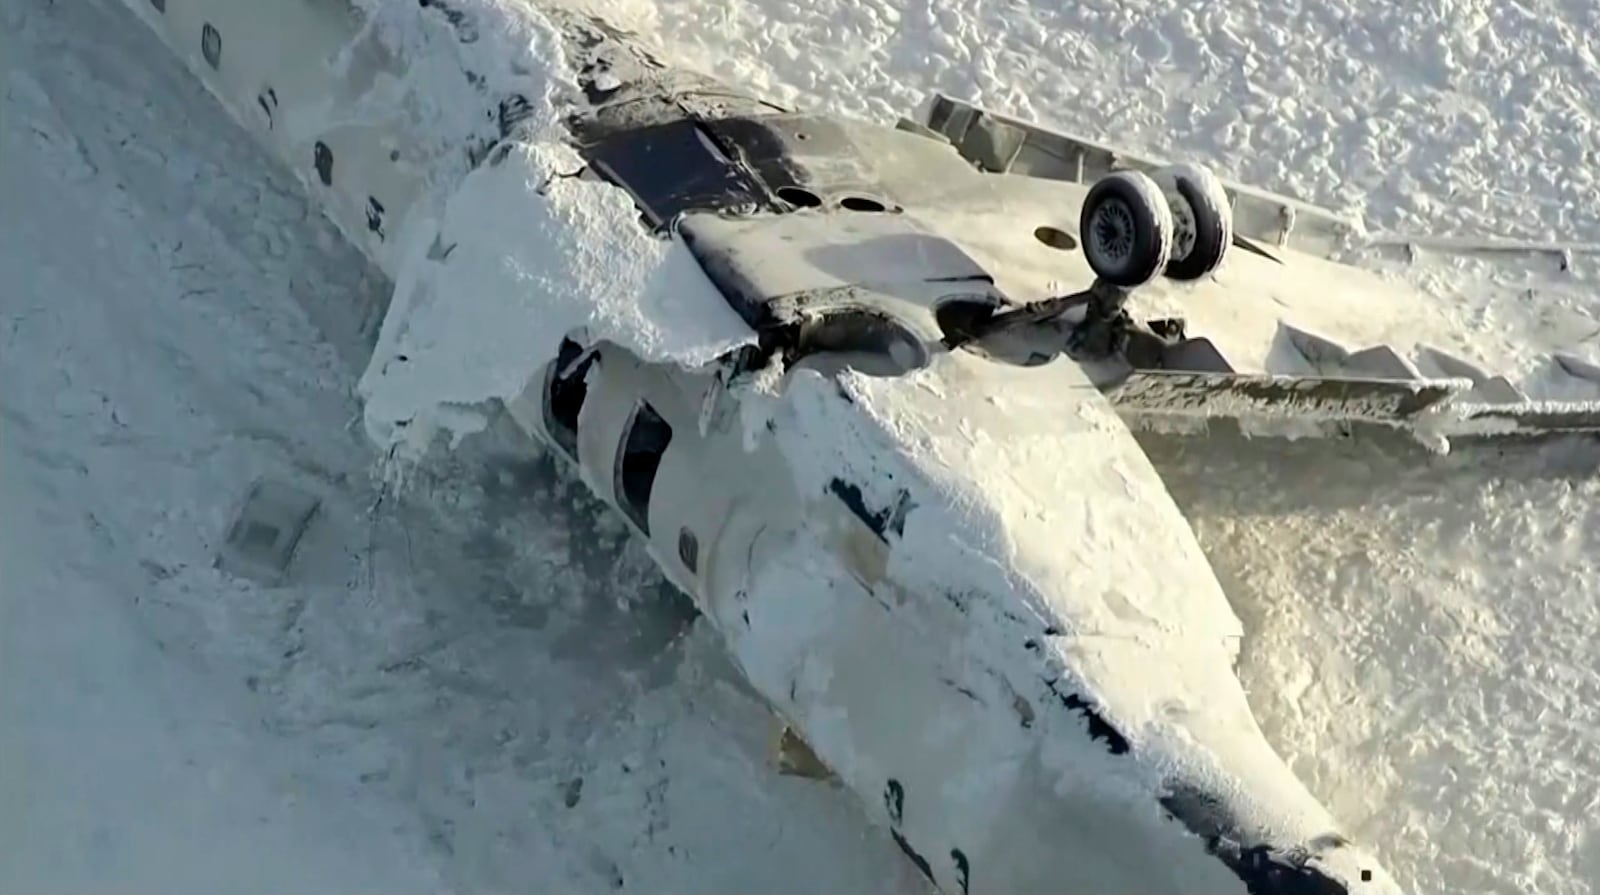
{"type": "Point", "coordinates": [1126, 229]}
{"type": "Point", "coordinates": [1202, 220]}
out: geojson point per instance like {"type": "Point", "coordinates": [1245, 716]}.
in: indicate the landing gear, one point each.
{"type": "Point", "coordinates": [1134, 227]}
{"type": "Point", "coordinates": [1176, 222]}
{"type": "Point", "coordinates": [1126, 229]}
{"type": "Point", "coordinates": [1106, 327]}
{"type": "Point", "coordinates": [1202, 220]}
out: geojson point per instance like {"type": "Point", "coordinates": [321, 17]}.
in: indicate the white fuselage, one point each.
{"type": "Point", "coordinates": [966, 587]}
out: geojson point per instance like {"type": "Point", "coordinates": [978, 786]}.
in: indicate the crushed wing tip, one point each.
{"type": "Point", "coordinates": [1434, 410]}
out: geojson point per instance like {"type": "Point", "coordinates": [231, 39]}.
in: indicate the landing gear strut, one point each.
{"type": "Point", "coordinates": [1134, 227]}
{"type": "Point", "coordinates": [1107, 330]}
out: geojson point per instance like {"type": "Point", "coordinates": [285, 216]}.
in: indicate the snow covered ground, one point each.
{"type": "Point", "coordinates": [1462, 114]}
{"type": "Point", "coordinates": [1421, 643]}
{"type": "Point", "coordinates": [481, 686]}
{"type": "Point", "coordinates": [415, 710]}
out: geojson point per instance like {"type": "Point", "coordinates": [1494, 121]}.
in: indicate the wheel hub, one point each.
{"type": "Point", "coordinates": [1184, 230]}
{"type": "Point", "coordinates": [1113, 230]}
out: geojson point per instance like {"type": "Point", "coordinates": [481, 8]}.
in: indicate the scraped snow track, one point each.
{"type": "Point", "coordinates": [1422, 645]}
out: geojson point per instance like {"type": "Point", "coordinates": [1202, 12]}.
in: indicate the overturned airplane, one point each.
{"type": "Point", "coordinates": [929, 536]}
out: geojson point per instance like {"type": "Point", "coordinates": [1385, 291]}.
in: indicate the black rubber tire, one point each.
{"type": "Point", "coordinates": [1202, 220]}
{"type": "Point", "coordinates": [1125, 229]}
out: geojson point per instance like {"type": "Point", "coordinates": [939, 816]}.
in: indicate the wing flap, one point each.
{"type": "Point", "coordinates": [1292, 405]}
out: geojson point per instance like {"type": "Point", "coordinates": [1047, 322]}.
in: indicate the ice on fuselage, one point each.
{"type": "Point", "coordinates": [1084, 646]}
{"type": "Point", "coordinates": [524, 255]}
{"type": "Point", "coordinates": [500, 262]}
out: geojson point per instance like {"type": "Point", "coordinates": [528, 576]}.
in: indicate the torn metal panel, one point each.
{"type": "Point", "coordinates": [769, 267]}
{"type": "Point", "coordinates": [1235, 395]}
{"type": "Point", "coordinates": [1258, 215]}
{"type": "Point", "coordinates": [673, 168]}
{"type": "Point", "coordinates": [266, 529]}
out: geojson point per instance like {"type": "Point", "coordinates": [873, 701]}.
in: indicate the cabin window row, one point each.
{"type": "Point", "coordinates": [645, 440]}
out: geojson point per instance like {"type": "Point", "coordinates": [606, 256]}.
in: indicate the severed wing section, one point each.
{"type": "Point", "coordinates": [1434, 410]}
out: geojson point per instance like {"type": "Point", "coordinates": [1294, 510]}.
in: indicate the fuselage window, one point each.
{"type": "Point", "coordinates": [564, 394]}
{"type": "Point", "coordinates": [689, 549]}
{"type": "Point", "coordinates": [211, 45]}
{"type": "Point", "coordinates": [637, 461]}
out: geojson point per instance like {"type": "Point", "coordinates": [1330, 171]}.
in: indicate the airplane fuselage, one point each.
{"type": "Point", "coordinates": [954, 571]}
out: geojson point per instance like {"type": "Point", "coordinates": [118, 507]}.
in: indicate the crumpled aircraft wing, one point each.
{"type": "Point", "coordinates": [1182, 401]}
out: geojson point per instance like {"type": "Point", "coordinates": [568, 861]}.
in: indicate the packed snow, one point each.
{"type": "Point", "coordinates": [1452, 116]}
{"type": "Point", "coordinates": [1001, 540]}
{"type": "Point", "coordinates": [501, 263]}
{"type": "Point", "coordinates": [455, 698]}
{"type": "Point", "coordinates": [533, 257]}
{"type": "Point", "coordinates": [476, 685]}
